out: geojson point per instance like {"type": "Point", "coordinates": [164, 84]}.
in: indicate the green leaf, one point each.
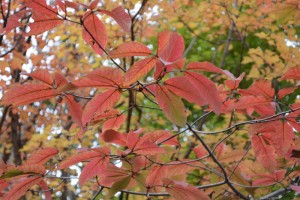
{"type": "Point", "coordinates": [118, 186]}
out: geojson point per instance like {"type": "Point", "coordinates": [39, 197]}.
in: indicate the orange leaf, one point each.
{"type": "Point", "coordinates": [128, 49]}
{"type": "Point", "coordinates": [170, 46]}
{"type": "Point", "coordinates": [138, 70]}
{"type": "Point", "coordinates": [94, 32]}
{"type": "Point", "coordinates": [171, 105]}
{"type": "Point", "coordinates": [100, 104]}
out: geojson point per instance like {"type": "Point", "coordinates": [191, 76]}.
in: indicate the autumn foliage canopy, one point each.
{"type": "Point", "coordinates": [149, 99]}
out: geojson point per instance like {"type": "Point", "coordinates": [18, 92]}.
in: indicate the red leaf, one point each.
{"type": "Point", "coordinates": [13, 21]}
{"type": "Point", "coordinates": [234, 83]}
{"type": "Point", "coordinates": [207, 89]}
{"type": "Point", "coordinates": [112, 136]}
{"type": "Point", "coordinates": [170, 46]}
{"type": "Point", "coordinates": [128, 49]}
{"type": "Point", "coordinates": [182, 87]}
{"type": "Point", "coordinates": [45, 17]}
{"type": "Point", "coordinates": [171, 105]}
{"type": "Point", "coordinates": [209, 67]}
{"type": "Point", "coordinates": [21, 188]}
{"type": "Point", "coordinates": [262, 145]}
{"type": "Point", "coordinates": [283, 137]}
{"type": "Point", "coordinates": [113, 174]}
{"type": "Point", "coordinates": [121, 17]}
{"type": "Point", "coordinates": [260, 88]}
{"type": "Point", "coordinates": [159, 136]}
{"type": "Point", "coordinates": [180, 190]}
{"type": "Point", "coordinates": [204, 66]}
{"type": "Point", "coordinates": [45, 189]}
{"type": "Point", "coordinates": [94, 32]}
{"type": "Point", "coordinates": [251, 101]}
{"type": "Point", "coordinates": [41, 156]}
{"type": "Point", "coordinates": [155, 176]}
{"type": "Point", "coordinates": [138, 70]}
{"type": "Point", "coordinates": [31, 168]}
{"type": "Point", "coordinates": [285, 91]}
{"type": "Point", "coordinates": [267, 179]}
{"type": "Point", "coordinates": [107, 76]}
{"type": "Point", "coordinates": [292, 73]}
{"type": "Point", "coordinates": [114, 123]}
{"type": "Point", "coordinates": [95, 167]}
{"type": "Point", "coordinates": [100, 104]}
{"type": "Point", "coordinates": [75, 109]}
{"type": "Point", "coordinates": [91, 154]}
{"type": "Point", "coordinates": [41, 75]}
{"type": "Point", "coordinates": [200, 151]}
{"type": "Point", "coordinates": [296, 188]}
{"type": "Point", "coordinates": [24, 94]}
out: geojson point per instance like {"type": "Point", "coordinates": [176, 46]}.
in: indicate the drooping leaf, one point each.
{"type": "Point", "coordinates": [139, 69]}
{"type": "Point", "coordinates": [171, 105]}
{"type": "Point", "coordinates": [128, 49]}
{"type": "Point", "coordinates": [99, 104]}
{"type": "Point", "coordinates": [207, 89]}
{"type": "Point", "coordinates": [170, 46]}
{"type": "Point", "coordinates": [94, 32]}
{"type": "Point", "coordinates": [20, 188]}
{"type": "Point", "coordinates": [180, 190]}
{"type": "Point", "coordinates": [120, 16]}
{"type": "Point", "coordinates": [41, 156]}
